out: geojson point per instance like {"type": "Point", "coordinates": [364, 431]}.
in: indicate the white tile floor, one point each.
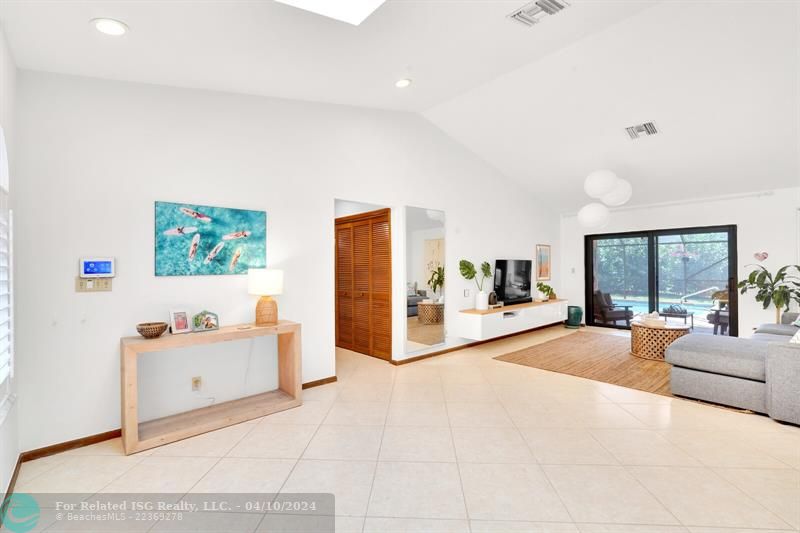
{"type": "Point", "coordinates": [462, 442]}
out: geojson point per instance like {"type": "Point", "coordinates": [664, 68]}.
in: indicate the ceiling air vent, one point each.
{"type": "Point", "coordinates": [639, 130]}
{"type": "Point", "coordinates": [532, 13]}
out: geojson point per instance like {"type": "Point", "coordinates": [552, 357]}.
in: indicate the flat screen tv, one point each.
{"type": "Point", "coordinates": [512, 281]}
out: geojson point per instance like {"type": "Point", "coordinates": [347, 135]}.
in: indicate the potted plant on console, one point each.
{"type": "Point", "coordinates": [468, 271]}
{"type": "Point", "coordinates": [546, 291]}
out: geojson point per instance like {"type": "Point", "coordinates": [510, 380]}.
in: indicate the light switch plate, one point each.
{"type": "Point", "coordinates": [92, 284]}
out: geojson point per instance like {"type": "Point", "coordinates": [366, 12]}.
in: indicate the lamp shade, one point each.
{"type": "Point", "coordinates": [264, 281]}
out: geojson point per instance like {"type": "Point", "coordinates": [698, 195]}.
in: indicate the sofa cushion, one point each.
{"type": "Point", "coordinates": [729, 356]}
{"type": "Point", "coordinates": [777, 329]}
{"type": "Point", "coordinates": [412, 301]}
{"type": "Point", "coordinates": [770, 337]}
{"type": "Point", "coordinates": [791, 318]}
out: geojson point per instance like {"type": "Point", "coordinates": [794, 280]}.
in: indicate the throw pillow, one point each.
{"type": "Point", "coordinates": [796, 338]}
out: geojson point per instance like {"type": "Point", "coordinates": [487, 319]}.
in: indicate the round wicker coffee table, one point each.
{"type": "Point", "coordinates": [649, 342]}
{"type": "Point", "coordinates": [432, 313]}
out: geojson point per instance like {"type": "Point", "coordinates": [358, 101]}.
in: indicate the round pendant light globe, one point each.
{"type": "Point", "coordinates": [620, 195]}
{"type": "Point", "coordinates": [599, 183]}
{"type": "Point", "coordinates": [593, 216]}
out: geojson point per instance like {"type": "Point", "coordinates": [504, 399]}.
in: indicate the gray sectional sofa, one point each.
{"type": "Point", "coordinates": [761, 373]}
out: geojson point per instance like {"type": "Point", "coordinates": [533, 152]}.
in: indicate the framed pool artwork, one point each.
{"type": "Point", "coordinates": [543, 268]}
{"type": "Point", "coordinates": [201, 240]}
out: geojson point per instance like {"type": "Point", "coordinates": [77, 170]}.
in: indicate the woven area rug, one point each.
{"type": "Point", "coordinates": [596, 356]}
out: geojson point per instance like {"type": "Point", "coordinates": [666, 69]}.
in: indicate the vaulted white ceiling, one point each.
{"type": "Point", "coordinates": [268, 48]}
{"type": "Point", "coordinates": [545, 105]}
{"type": "Point", "coordinates": [719, 79]}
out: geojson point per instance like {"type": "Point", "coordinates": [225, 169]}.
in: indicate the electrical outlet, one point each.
{"type": "Point", "coordinates": [466, 293]}
{"type": "Point", "coordinates": [92, 284]}
{"type": "Point", "coordinates": [197, 382]}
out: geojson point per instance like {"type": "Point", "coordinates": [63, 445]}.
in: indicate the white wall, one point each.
{"type": "Point", "coordinates": [765, 221]}
{"type": "Point", "coordinates": [343, 208]}
{"type": "Point", "coordinates": [9, 438]}
{"type": "Point", "coordinates": [93, 157]}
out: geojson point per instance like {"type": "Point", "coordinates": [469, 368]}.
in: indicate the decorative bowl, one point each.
{"type": "Point", "coordinates": [151, 330]}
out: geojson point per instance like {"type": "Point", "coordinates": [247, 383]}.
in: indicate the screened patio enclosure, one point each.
{"type": "Point", "coordinates": [687, 275]}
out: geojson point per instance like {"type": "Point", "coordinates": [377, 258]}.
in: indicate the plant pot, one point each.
{"type": "Point", "coordinates": [482, 301]}
{"type": "Point", "coordinates": [553, 296]}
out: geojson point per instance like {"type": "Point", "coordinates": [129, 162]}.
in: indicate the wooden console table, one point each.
{"type": "Point", "coordinates": [138, 436]}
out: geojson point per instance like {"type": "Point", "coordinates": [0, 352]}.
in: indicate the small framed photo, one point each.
{"type": "Point", "coordinates": [179, 322]}
{"type": "Point", "coordinates": [543, 271]}
{"type": "Point", "coordinates": [205, 321]}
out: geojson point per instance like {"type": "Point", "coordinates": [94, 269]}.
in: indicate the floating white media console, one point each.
{"type": "Point", "coordinates": [492, 323]}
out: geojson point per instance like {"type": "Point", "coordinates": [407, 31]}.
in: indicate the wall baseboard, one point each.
{"type": "Point", "coordinates": [317, 383]}
{"type": "Point", "coordinates": [12, 482]}
{"type": "Point", "coordinates": [53, 449]}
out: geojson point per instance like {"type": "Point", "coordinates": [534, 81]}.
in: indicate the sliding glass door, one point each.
{"type": "Point", "coordinates": [687, 275]}
{"type": "Point", "coordinates": [620, 287]}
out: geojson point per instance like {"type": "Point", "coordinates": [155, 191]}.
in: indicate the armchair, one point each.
{"type": "Point", "coordinates": [606, 312]}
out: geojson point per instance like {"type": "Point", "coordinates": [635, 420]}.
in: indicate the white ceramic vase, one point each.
{"type": "Point", "coordinates": [482, 301]}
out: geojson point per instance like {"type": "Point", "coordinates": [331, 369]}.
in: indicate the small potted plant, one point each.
{"type": "Point", "coordinates": [546, 291]}
{"type": "Point", "coordinates": [436, 281]}
{"type": "Point", "coordinates": [468, 272]}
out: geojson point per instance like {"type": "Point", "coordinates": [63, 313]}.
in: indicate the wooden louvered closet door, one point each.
{"type": "Point", "coordinates": [344, 286]}
{"type": "Point", "coordinates": [364, 284]}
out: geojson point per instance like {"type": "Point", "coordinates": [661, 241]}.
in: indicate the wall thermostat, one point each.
{"type": "Point", "coordinates": [97, 267]}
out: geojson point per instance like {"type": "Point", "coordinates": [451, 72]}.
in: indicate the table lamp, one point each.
{"type": "Point", "coordinates": [266, 283]}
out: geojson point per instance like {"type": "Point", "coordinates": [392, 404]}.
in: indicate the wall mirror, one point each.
{"type": "Point", "coordinates": [425, 279]}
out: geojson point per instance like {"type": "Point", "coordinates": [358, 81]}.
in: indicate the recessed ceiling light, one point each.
{"type": "Point", "coordinates": [351, 11]}
{"type": "Point", "coordinates": [110, 26]}
{"type": "Point", "coordinates": [402, 84]}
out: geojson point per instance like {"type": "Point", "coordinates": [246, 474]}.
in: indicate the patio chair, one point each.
{"type": "Point", "coordinates": [720, 318]}
{"type": "Point", "coordinates": [606, 312]}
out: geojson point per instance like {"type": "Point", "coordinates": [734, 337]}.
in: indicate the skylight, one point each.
{"type": "Point", "coordinates": [351, 11]}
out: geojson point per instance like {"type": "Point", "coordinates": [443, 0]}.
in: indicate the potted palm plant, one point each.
{"type": "Point", "coordinates": [468, 272]}
{"type": "Point", "coordinates": [780, 289]}
{"type": "Point", "coordinates": [436, 280]}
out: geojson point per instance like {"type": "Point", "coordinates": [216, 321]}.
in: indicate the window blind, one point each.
{"type": "Point", "coordinates": [6, 301]}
